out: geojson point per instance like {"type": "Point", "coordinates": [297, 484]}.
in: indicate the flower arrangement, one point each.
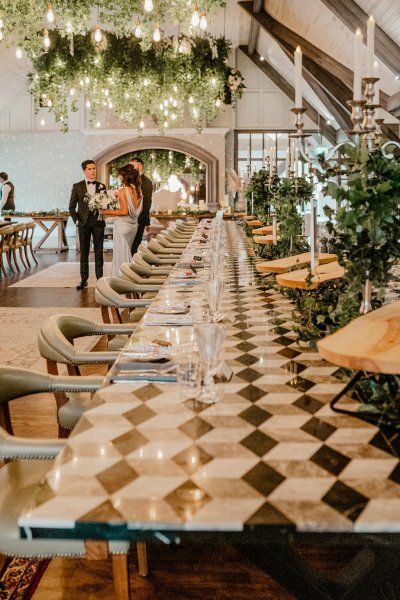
{"type": "Point", "coordinates": [101, 200]}
{"type": "Point", "coordinates": [162, 81]}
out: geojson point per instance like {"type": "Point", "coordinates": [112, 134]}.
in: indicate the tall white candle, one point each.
{"type": "Point", "coordinates": [357, 65]}
{"type": "Point", "coordinates": [370, 46]}
{"type": "Point", "coordinates": [296, 161]}
{"type": "Point", "coordinates": [288, 162]}
{"type": "Point", "coordinates": [298, 76]}
{"type": "Point", "coordinates": [376, 88]}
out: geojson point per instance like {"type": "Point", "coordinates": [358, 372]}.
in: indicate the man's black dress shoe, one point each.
{"type": "Point", "coordinates": [82, 285]}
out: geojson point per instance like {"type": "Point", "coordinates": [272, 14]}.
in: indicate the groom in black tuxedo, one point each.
{"type": "Point", "coordinates": [89, 224]}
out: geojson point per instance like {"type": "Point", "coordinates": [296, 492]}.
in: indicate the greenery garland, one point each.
{"type": "Point", "coordinates": [165, 162]}
{"type": "Point", "coordinates": [23, 21]}
{"type": "Point", "coordinates": [161, 82]}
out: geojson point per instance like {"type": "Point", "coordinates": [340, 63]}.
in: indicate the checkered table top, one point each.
{"type": "Point", "coordinates": [270, 453]}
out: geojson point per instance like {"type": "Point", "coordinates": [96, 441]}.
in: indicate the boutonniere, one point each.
{"type": "Point", "coordinates": [101, 186]}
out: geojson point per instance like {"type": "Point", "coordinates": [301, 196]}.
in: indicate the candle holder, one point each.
{"type": "Point", "coordinates": [378, 131]}
{"type": "Point", "coordinates": [368, 124]}
{"type": "Point", "coordinates": [357, 117]}
{"type": "Point", "coordinates": [299, 121]}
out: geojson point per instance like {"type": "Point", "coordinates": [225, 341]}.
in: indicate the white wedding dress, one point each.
{"type": "Point", "coordinates": [125, 228]}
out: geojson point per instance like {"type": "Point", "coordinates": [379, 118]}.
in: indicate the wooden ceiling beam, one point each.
{"type": "Point", "coordinates": [327, 130]}
{"type": "Point", "coordinates": [353, 16]}
{"type": "Point", "coordinates": [331, 76]}
{"type": "Point", "coordinates": [332, 93]}
{"type": "Point", "coordinates": [254, 27]}
{"type": "Point", "coordinates": [275, 28]}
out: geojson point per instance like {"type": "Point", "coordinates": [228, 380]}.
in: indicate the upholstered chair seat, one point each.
{"type": "Point", "coordinates": [112, 295]}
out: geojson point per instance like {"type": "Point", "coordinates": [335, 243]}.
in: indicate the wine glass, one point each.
{"type": "Point", "coordinates": [214, 291]}
{"type": "Point", "coordinates": [210, 337]}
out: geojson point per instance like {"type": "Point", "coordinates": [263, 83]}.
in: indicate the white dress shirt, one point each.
{"type": "Point", "coordinates": [91, 187]}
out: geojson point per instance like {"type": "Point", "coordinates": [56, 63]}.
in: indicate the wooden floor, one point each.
{"type": "Point", "coordinates": [178, 573]}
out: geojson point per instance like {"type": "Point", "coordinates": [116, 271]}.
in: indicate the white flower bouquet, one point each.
{"type": "Point", "coordinates": [105, 199]}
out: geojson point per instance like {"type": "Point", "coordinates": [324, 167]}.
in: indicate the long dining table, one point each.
{"type": "Point", "coordinates": [267, 467]}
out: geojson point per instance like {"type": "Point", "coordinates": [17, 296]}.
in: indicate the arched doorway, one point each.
{"type": "Point", "coordinates": [167, 143]}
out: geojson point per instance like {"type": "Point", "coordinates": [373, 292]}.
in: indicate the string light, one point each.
{"type": "Point", "coordinates": [191, 100]}
{"type": "Point", "coordinates": [146, 82]}
{"type": "Point", "coordinates": [72, 92]}
{"type": "Point", "coordinates": [138, 29]}
{"type": "Point", "coordinates": [98, 124]}
{"type": "Point", "coordinates": [165, 124]}
{"type": "Point", "coordinates": [50, 14]}
{"type": "Point", "coordinates": [141, 125]}
{"type": "Point", "coordinates": [98, 36]}
{"type": "Point", "coordinates": [195, 20]}
{"type": "Point", "coordinates": [42, 122]}
{"type": "Point", "coordinates": [87, 79]}
{"type": "Point", "coordinates": [218, 102]}
{"type": "Point", "coordinates": [157, 34]}
{"type": "Point", "coordinates": [203, 21]}
{"type": "Point", "coordinates": [213, 81]}
{"type": "Point", "coordinates": [46, 39]}
{"type": "Point", "coordinates": [88, 104]}
{"type": "Point", "coordinates": [49, 103]}
{"type": "Point", "coordinates": [18, 53]}
{"type": "Point", "coordinates": [68, 27]}
{"type": "Point", "coordinates": [148, 5]}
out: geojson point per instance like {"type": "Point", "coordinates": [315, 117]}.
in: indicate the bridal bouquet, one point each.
{"type": "Point", "coordinates": [102, 200]}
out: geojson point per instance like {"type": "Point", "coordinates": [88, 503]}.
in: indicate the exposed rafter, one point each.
{"type": "Point", "coordinates": [330, 80]}
{"type": "Point", "coordinates": [327, 130]}
{"type": "Point", "coordinates": [254, 27]}
{"type": "Point", "coordinates": [353, 16]}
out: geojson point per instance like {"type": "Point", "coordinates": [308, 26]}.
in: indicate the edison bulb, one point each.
{"type": "Point", "coordinates": [46, 39]}
{"type": "Point", "coordinates": [18, 53]}
{"type": "Point", "coordinates": [1, 24]}
{"type": "Point", "coordinates": [141, 125]}
{"type": "Point", "coordinates": [98, 36]}
{"type": "Point", "coordinates": [157, 34]}
{"type": "Point", "coordinates": [191, 100]}
{"type": "Point", "coordinates": [42, 122]}
{"type": "Point", "coordinates": [165, 124]}
{"type": "Point", "coordinates": [72, 92]}
{"type": "Point", "coordinates": [148, 5]}
{"type": "Point", "coordinates": [203, 21]}
{"type": "Point", "coordinates": [218, 102]}
{"type": "Point", "coordinates": [138, 30]}
{"type": "Point", "coordinates": [50, 14]}
{"type": "Point", "coordinates": [88, 104]}
{"type": "Point", "coordinates": [68, 27]}
{"type": "Point", "coordinates": [49, 103]}
{"type": "Point", "coordinates": [195, 20]}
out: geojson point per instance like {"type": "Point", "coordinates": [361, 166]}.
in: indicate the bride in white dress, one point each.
{"type": "Point", "coordinates": [126, 222]}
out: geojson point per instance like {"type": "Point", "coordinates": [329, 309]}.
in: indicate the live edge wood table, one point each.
{"type": "Point", "coordinates": [268, 466]}
{"type": "Point", "coordinates": [48, 223]}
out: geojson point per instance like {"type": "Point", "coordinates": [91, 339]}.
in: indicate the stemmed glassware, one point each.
{"type": "Point", "coordinates": [210, 337]}
{"type": "Point", "coordinates": [214, 291]}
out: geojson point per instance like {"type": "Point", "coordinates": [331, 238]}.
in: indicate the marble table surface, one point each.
{"type": "Point", "coordinates": [269, 456]}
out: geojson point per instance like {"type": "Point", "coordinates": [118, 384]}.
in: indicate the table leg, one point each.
{"type": "Point", "coordinates": [47, 230]}
{"type": "Point", "coordinates": [374, 568]}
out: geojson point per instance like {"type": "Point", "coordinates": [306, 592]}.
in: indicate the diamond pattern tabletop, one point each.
{"type": "Point", "coordinates": [269, 453]}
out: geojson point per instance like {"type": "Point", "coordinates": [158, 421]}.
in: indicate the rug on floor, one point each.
{"type": "Point", "coordinates": [20, 577]}
{"type": "Point", "coordinates": [19, 328]}
{"type": "Point", "coordinates": [62, 274]}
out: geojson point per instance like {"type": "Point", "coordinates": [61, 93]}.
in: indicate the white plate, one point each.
{"type": "Point", "coordinates": [163, 308]}
{"type": "Point", "coordinates": [143, 351]}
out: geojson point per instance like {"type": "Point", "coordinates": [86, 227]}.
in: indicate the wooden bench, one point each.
{"type": "Point", "coordinates": [298, 279]}
{"type": "Point", "coordinates": [369, 343]}
{"type": "Point", "coordinates": [262, 230]}
{"type": "Point", "coordinates": [283, 265]}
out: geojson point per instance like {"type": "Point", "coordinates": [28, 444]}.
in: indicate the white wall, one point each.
{"type": "Point", "coordinates": [43, 162]}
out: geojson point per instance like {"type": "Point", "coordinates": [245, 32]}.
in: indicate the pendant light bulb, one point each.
{"type": "Point", "coordinates": [46, 39]}
{"type": "Point", "coordinates": [98, 36]}
{"type": "Point", "coordinates": [203, 21]}
{"type": "Point", "coordinates": [50, 14]}
{"type": "Point", "coordinates": [148, 5]}
{"type": "Point", "coordinates": [138, 30]}
{"type": "Point", "coordinates": [195, 20]}
{"type": "Point", "coordinates": [18, 53]}
{"type": "Point", "coordinates": [157, 34]}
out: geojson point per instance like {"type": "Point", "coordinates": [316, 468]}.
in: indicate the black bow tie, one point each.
{"type": "Point", "coordinates": [91, 182]}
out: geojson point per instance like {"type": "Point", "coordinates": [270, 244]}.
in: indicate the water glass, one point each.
{"type": "Point", "coordinates": [188, 376]}
{"type": "Point", "coordinates": [200, 314]}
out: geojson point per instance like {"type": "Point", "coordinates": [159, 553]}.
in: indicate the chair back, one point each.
{"type": "Point", "coordinates": [30, 229]}
{"type": "Point", "coordinates": [6, 233]}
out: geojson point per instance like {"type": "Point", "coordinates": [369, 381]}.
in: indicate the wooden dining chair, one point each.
{"type": "Point", "coordinates": [17, 243]}
{"type": "Point", "coordinates": [6, 233]}
{"type": "Point", "coordinates": [28, 241]}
